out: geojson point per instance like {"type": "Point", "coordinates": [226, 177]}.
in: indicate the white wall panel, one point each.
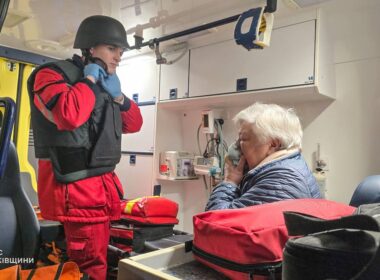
{"type": "Point", "coordinates": [288, 61]}
{"type": "Point", "coordinates": [136, 178]}
{"type": "Point", "coordinates": [175, 76]}
{"type": "Point", "coordinates": [142, 141]}
{"type": "Point", "coordinates": [348, 130]}
{"type": "Point", "coordinates": [139, 75]}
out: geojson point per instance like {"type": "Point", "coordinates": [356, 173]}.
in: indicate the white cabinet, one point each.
{"type": "Point", "coordinates": [298, 67]}
{"type": "Point", "coordinates": [140, 76]}
{"type": "Point", "coordinates": [136, 176]}
{"type": "Point", "coordinates": [289, 61]}
{"type": "Point", "coordinates": [143, 141]}
{"type": "Point", "coordinates": [174, 79]}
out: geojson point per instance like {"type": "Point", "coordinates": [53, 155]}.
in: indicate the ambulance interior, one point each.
{"type": "Point", "coordinates": [190, 72]}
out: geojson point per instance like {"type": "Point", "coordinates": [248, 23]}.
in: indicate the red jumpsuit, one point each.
{"type": "Point", "coordinates": [87, 206]}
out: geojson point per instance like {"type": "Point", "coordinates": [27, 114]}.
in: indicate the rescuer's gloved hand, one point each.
{"type": "Point", "coordinates": [94, 70]}
{"type": "Point", "coordinates": [111, 85]}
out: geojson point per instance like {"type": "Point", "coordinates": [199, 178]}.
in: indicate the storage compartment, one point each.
{"type": "Point", "coordinates": [139, 75]}
{"type": "Point", "coordinates": [135, 172]}
{"type": "Point", "coordinates": [223, 67]}
{"type": "Point", "coordinates": [143, 141]}
{"type": "Point", "coordinates": [297, 67]}
{"type": "Point", "coordinates": [174, 78]}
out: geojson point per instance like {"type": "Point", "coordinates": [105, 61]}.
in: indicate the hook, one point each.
{"type": "Point", "coordinates": [155, 45]}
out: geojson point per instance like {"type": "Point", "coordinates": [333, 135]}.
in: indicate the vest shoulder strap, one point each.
{"type": "Point", "coordinates": [70, 72]}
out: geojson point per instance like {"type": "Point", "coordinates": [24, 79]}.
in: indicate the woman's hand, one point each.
{"type": "Point", "coordinates": [232, 173]}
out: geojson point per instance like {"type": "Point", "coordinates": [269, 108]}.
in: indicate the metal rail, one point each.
{"type": "Point", "coordinates": [270, 8]}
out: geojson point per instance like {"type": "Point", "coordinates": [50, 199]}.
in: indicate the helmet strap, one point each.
{"type": "Point", "coordinates": [88, 58]}
{"type": "Point", "coordinates": [86, 54]}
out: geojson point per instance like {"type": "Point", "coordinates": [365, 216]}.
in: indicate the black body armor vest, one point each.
{"type": "Point", "coordinates": [90, 150]}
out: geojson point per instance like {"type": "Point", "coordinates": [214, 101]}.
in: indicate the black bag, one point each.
{"type": "Point", "coordinates": [345, 248]}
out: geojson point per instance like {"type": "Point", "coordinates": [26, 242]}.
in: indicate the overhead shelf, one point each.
{"type": "Point", "coordinates": [296, 68]}
{"type": "Point", "coordinates": [286, 95]}
{"type": "Point", "coordinates": [165, 178]}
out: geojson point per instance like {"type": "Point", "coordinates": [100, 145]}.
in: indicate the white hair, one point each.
{"type": "Point", "coordinates": [273, 122]}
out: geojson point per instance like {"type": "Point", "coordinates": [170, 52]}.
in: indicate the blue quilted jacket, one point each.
{"type": "Point", "coordinates": [285, 178]}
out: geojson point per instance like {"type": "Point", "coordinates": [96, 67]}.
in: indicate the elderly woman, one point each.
{"type": "Point", "coordinates": [270, 141]}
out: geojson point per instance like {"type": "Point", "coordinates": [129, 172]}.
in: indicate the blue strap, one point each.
{"type": "Point", "coordinates": [247, 39]}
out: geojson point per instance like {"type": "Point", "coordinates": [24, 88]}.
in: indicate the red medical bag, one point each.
{"type": "Point", "coordinates": [247, 242]}
{"type": "Point", "coordinates": [150, 210]}
{"type": "Point", "coordinates": [142, 219]}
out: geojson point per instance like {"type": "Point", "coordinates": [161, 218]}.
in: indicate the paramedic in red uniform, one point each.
{"type": "Point", "coordinates": [78, 115]}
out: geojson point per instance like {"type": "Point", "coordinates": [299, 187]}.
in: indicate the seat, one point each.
{"type": "Point", "coordinates": [18, 225]}
{"type": "Point", "coordinates": [21, 234]}
{"type": "Point", "coordinates": [368, 191]}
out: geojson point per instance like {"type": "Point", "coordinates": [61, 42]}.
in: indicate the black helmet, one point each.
{"type": "Point", "coordinates": [96, 30]}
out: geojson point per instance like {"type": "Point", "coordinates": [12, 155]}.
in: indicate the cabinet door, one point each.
{"type": "Point", "coordinates": [142, 141]}
{"type": "Point", "coordinates": [174, 79]}
{"type": "Point", "coordinates": [136, 177]}
{"type": "Point", "coordinates": [139, 76]}
{"type": "Point", "coordinates": [289, 61]}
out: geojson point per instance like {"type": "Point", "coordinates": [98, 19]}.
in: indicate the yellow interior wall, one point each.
{"type": "Point", "coordinates": [24, 128]}
{"type": "Point", "coordinates": [8, 88]}
{"type": "Point", "coordinates": [8, 79]}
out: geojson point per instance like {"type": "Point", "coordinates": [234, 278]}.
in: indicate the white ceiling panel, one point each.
{"type": "Point", "coordinates": [48, 27]}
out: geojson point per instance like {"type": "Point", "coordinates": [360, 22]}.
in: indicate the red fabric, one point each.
{"type": "Point", "coordinates": [126, 248]}
{"type": "Point", "coordinates": [256, 234]}
{"type": "Point", "coordinates": [90, 200]}
{"type": "Point", "coordinates": [122, 232]}
{"type": "Point", "coordinates": [87, 246]}
{"type": "Point", "coordinates": [75, 103]}
{"type": "Point", "coordinates": [152, 210]}
{"type": "Point", "coordinates": [150, 206]}
{"type": "Point", "coordinates": [132, 119]}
